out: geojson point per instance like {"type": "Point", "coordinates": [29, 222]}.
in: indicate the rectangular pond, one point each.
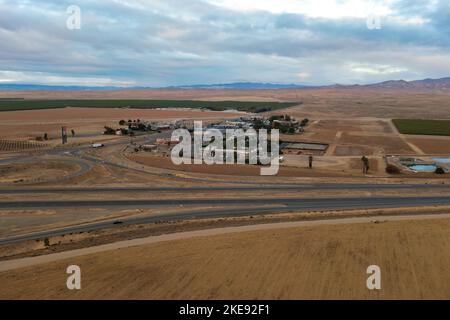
{"type": "Point", "coordinates": [423, 167]}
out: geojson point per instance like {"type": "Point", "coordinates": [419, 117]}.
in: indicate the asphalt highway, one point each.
{"type": "Point", "coordinates": [250, 207]}
{"type": "Point", "coordinates": [247, 205]}
{"type": "Point", "coordinates": [307, 203]}
{"type": "Point", "coordinates": [260, 187]}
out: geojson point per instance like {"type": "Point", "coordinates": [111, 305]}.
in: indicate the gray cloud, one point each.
{"type": "Point", "coordinates": [170, 42]}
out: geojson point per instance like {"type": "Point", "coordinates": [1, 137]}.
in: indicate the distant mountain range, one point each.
{"type": "Point", "coordinates": [244, 86]}
{"type": "Point", "coordinates": [237, 85]}
{"type": "Point", "coordinates": [442, 84]}
{"type": "Point", "coordinates": [13, 86]}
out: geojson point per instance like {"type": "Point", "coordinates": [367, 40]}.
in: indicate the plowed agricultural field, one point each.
{"type": "Point", "coordinates": [20, 145]}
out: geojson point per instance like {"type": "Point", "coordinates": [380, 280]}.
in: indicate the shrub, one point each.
{"type": "Point", "coordinates": [304, 122]}
{"type": "Point", "coordinates": [109, 130]}
{"type": "Point", "coordinates": [276, 117]}
{"type": "Point", "coordinates": [439, 170]}
{"type": "Point", "coordinates": [283, 129]}
{"type": "Point", "coordinates": [391, 169]}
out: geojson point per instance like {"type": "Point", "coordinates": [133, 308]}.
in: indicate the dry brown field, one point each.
{"type": "Point", "coordinates": [309, 262]}
{"type": "Point", "coordinates": [391, 145]}
{"type": "Point", "coordinates": [239, 170]}
{"type": "Point", "coordinates": [353, 150]}
{"type": "Point", "coordinates": [92, 114]}
{"type": "Point", "coordinates": [432, 145]}
{"type": "Point", "coordinates": [10, 173]}
{"type": "Point", "coordinates": [32, 123]}
{"type": "Point", "coordinates": [358, 125]}
{"type": "Point", "coordinates": [317, 103]}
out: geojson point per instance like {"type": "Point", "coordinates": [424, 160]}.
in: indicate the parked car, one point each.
{"type": "Point", "coordinates": [97, 145]}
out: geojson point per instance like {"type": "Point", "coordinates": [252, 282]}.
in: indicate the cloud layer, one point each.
{"type": "Point", "coordinates": [182, 42]}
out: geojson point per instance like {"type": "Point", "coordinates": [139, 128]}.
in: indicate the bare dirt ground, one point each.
{"type": "Point", "coordinates": [309, 262]}
{"type": "Point", "coordinates": [432, 145]}
{"type": "Point", "coordinates": [332, 103]}
{"type": "Point", "coordinates": [391, 145]}
{"type": "Point", "coordinates": [34, 172]}
{"type": "Point", "coordinates": [95, 114]}
{"type": "Point", "coordinates": [74, 241]}
{"type": "Point", "coordinates": [349, 104]}
{"type": "Point", "coordinates": [32, 123]}
{"type": "Point", "coordinates": [231, 170]}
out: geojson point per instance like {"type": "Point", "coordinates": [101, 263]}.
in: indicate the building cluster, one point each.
{"type": "Point", "coordinates": [131, 127]}
{"type": "Point", "coordinates": [285, 124]}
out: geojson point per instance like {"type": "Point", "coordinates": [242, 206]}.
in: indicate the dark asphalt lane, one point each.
{"type": "Point", "coordinates": [260, 187]}
{"type": "Point", "coordinates": [308, 203]}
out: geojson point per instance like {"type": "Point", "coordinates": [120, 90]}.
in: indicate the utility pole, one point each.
{"type": "Point", "coordinates": [64, 135]}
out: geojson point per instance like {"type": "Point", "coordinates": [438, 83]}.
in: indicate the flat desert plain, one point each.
{"type": "Point", "coordinates": [30, 123]}
{"type": "Point", "coordinates": [311, 262]}
{"type": "Point", "coordinates": [351, 122]}
{"type": "Point", "coordinates": [325, 103]}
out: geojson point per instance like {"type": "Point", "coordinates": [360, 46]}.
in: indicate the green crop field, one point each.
{"type": "Point", "coordinates": [248, 106]}
{"type": "Point", "coordinates": [423, 127]}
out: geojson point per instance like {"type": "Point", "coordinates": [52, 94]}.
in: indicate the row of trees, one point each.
{"type": "Point", "coordinates": [112, 131]}
{"type": "Point", "coordinates": [129, 122]}
{"type": "Point", "coordinates": [134, 124]}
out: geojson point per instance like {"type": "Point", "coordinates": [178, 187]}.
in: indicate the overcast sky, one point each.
{"type": "Point", "coordinates": [183, 42]}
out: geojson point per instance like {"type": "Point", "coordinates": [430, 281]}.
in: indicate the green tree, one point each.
{"type": "Point", "coordinates": [391, 169]}
{"type": "Point", "coordinates": [109, 131]}
{"type": "Point", "coordinates": [365, 162]}
{"type": "Point", "coordinates": [439, 170]}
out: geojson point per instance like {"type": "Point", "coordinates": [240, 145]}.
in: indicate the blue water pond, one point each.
{"type": "Point", "coordinates": [423, 167]}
